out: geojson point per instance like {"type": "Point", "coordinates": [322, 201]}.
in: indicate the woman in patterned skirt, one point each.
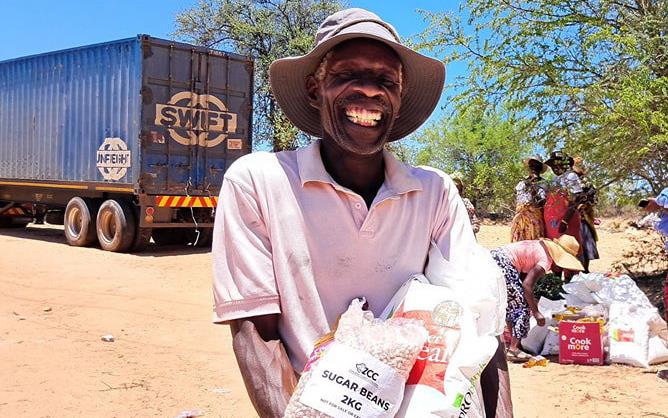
{"type": "Point", "coordinates": [523, 263]}
{"type": "Point", "coordinates": [528, 221]}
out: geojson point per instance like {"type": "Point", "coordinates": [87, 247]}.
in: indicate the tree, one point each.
{"type": "Point", "coordinates": [264, 30]}
{"type": "Point", "coordinates": [591, 74]}
{"type": "Point", "coordinates": [485, 149]}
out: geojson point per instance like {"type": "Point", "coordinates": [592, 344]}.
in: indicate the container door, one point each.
{"type": "Point", "coordinates": [197, 105]}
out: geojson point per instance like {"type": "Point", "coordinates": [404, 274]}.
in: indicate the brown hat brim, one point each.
{"type": "Point", "coordinates": [551, 162]}
{"type": "Point", "coordinates": [424, 79]}
{"type": "Point", "coordinates": [561, 257]}
{"type": "Point", "coordinates": [543, 166]}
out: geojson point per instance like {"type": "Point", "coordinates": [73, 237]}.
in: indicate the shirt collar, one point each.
{"type": "Point", "coordinates": [399, 178]}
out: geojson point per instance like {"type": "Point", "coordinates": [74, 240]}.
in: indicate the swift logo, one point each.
{"type": "Point", "coordinates": [113, 159]}
{"type": "Point", "coordinates": [196, 119]}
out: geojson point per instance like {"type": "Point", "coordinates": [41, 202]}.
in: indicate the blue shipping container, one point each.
{"type": "Point", "coordinates": [154, 115]}
{"type": "Point", "coordinates": [130, 138]}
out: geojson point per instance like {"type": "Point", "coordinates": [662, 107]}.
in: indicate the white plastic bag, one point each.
{"type": "Point", "coordinates": [464, 308]}
{"type": "Point", "coordinates": [580, 290]}
{"type": "Point", "coordinates": [607, 289]}
{"type": "Point", "coordinates": [551, 345]}
{"type": "Point", "coordinates": [628, 329]}
{"type": "Point", "coordinates": [443, 374]}
{"type": "Point", "coordinates": [479, 283]}
{"type": "Point", "coordinates": [533, 342]}
{"type": "Point", "coordinates": [657, 351]}
{"type": "Point", "coordinates": [361, 373]}
{"type": "Point", "coordinates": [572, 300]}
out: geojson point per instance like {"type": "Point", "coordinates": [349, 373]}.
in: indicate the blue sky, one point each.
{"type": "Point", "coordinates": [35, 26]}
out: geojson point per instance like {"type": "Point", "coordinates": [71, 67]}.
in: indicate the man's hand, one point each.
{"type": "Point", "coordinates": [540, 319]}
{"type": "Point", "coordinates": [264, 364]}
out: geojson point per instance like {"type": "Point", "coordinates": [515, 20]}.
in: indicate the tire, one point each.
{"type": "Point", "coordinates": [142, 239]}
{"type": "Point", "coordinates": [115, 226]}
{"type": "Point", "coordinates": [79, 222]}
{"type": "Point", "coordinates": [168, 236]}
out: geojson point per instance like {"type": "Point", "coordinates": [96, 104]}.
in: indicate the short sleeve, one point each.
{"type": "Point", "coordinates": [662, 198]}
{"type": "Point", "coordinates": [542, 257]}
{"type": "Point", "coordinates": [573, 183]}
{"type": "Point", "coordinates": [541, 193]}
{"type": "Point", "coordinates": [244, 283]}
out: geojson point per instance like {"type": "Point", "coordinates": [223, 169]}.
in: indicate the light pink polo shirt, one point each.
{"type": "Point", "coordinates": [288, 239]}
{"type": "Point", "coordinates": [526, 254]}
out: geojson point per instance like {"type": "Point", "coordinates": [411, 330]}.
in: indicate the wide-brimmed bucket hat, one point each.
{"type": "Point", "coordinates": [558, 158]}
{"type": "Point", "coordinates": [564, 251]}
{"type": "Point", "coordinates": [424, 76]}
{"type": "Point", "coordinates": [536, 159]}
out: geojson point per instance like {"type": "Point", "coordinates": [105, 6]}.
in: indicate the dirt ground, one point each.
{"type": "Point", "coordinates": [58, 301]}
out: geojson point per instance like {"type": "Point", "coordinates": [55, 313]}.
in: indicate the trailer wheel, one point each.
{"type": "Point", "coordinates": [115, 226]}
{"type": "Point", "coordinates": [79, 221]}
{"type": "Point", "coordinates": [142, 239]}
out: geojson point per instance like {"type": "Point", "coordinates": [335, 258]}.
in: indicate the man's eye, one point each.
{"type": "Point", "coordinates": [388, 82]}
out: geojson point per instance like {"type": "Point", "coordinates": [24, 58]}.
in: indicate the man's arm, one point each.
{"type": "Point", "coordinates": [263, 363]}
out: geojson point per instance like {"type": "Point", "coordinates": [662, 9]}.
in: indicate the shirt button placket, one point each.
{"type": "Point", "coordinates": [367, 230]}
{"type": "Point", "coordinates": [358, 211]}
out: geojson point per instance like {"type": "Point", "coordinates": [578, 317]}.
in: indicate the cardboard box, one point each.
{"type": "Point", "coordinates": [580, 343]}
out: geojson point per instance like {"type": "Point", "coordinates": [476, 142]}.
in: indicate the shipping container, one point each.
{"type": "Point", "coordinates": [123, 140]}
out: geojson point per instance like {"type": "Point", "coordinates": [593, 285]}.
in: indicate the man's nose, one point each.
{"type": "Point", "coordinates": [368, 88]}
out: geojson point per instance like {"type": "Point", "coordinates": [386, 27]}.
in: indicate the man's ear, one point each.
{"type": "Point", "coordinates": [312, 89]}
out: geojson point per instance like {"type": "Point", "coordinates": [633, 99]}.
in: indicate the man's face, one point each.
{"type": "Point", "coordinates": [359, 96]}
{"type": "Point", "coordinates": [559, 169]}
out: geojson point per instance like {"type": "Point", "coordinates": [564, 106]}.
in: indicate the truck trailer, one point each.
{"type": "Point", "coordinates": [122, 141]}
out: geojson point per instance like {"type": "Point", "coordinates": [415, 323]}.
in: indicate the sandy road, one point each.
{"type": "Point", "coordinates": [167, 356]}
{"type": "Point", "coordinates": [57, 301]}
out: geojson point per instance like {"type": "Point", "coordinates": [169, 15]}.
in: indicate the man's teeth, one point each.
{"type": "Point", "coordinates": [363, 117]}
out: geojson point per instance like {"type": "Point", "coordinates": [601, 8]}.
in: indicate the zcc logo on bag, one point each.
{"type": "Point", "coordinates": [113, 158]}
{"type": "Point", "coordinates": [196, 119]}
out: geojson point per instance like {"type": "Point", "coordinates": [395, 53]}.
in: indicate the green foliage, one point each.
{"type": "Point", "coordinates": [264, 30]}
{"type": "Point", "coordinates": [591, 75]}
{"type": "Point", "coordinates": [549, 286]}
{"type": "Point", "coordinates": [484, 149]}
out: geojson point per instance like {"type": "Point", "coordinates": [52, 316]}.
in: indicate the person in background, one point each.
{"type": "Point", "coordinates": [560, 211]}
{"type": "Point", "coordinates": [470, 209]}
{"type": "Point", "coordinates": [523, 264]}
{"type": "Point", "coordinates": [659, 204]}
{"type": "Point", "coordinates": [528, 221]}
{"type": "Point", "coordinates": [587, 200]}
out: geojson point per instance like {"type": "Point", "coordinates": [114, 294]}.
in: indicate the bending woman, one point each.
{"type": "Point", "coordinates": [523, 263]}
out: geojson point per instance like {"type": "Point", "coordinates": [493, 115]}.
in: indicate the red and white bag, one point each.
{"type": "Point", "coordinates": [463, 310]}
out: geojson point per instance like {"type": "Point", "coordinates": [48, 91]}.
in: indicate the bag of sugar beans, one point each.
{"type": "Point", "coordinates": [362, 371]}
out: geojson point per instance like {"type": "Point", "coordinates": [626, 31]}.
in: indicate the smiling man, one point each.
{"type": "Point", "coordinates": [299, 234]}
